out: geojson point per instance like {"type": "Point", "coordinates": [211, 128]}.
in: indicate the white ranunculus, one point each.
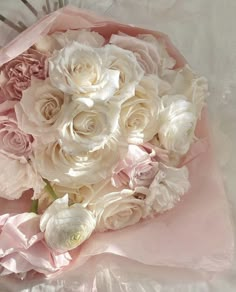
{"type": "Point", "coordinates": [66, 227]}
{"type": "Point", "coordinates": [59, 40]}
{"type": "Point", "coordinates": [115, 209]}
{"type": "Point", "coordinates": [40, 110]}
{"type": "Point", "coordinates": [167, 188]}
{"type": "Point", "coordinates": [130, 72]}
{"type": "Point", "coordinates": [177, 124]}
{"type": "Point", "coordinates": [80, 70]}
{"type": "Point", "coordinates": [60, 167]}
{"type": "Point", "coordinates": [89, 128]}
{"type": "Point", "coordinates": [139, 118]}
{"type": "Point", "coordinates": [186, 82]}
{"type": "Point", "coordinates": [17, 176]}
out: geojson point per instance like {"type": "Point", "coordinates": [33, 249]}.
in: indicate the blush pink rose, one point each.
{"type": "Point", "coordinates": [15, 76]}
{"type": "Point", "coordinates": [12, 139]}
{"type": "Point", "coordinates": [22, 247]}
{"type": "Point", "coordinates": [139, 168]}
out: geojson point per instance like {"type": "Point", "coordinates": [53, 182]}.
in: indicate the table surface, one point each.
{"type": "Point", "coordinates": [203, 31]}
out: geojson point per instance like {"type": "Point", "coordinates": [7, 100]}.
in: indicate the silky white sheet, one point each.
{"type": "Point", "coordinates": [203, 30]}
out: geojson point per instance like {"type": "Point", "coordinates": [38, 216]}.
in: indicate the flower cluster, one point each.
{"type": "Point", "coordinates": [96, 127]}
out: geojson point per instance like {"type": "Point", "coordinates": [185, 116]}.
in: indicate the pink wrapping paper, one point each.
{"type": "Point", "coordinates": [197, 233]}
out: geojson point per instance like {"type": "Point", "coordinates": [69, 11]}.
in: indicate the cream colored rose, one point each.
{"type": "Point", "coordinates": [139, 118]}
{"type": "Point", "coordinates": [89, 128]}
{"type": "Point", "coordinates": [177, 124]}
{"type": "Point", "coordinates": [130, 72]}
{"type": "Point", "coordinates": [167, 188]}
{"type": "Point", "coordinates": [80, 70]}
{"type": "Point", "coordinates": [59, 40]}
{"type": "Point", "coordinates": [60, 167]}
{"type": "Point", "coordinates": [40, 110]}
{"type": "Point", "coordinates": [66, 227]}
{"type": "Point", "coordinates": [115, 209]}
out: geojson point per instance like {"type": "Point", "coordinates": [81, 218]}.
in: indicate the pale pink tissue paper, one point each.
{"type": "Point", "coordinates": [22, 246]}
{"type": "Point", "coordinates": [197, 233]}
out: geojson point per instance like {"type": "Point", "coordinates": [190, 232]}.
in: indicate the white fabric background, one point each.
{"type": "Point", "coordinates": [203, 30]}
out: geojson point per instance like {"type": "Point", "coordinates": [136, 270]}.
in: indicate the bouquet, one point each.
{"type": "Point", "coordinates": [99, 125]}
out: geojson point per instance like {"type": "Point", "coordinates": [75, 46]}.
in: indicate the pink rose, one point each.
{"type": "Point", "coordinates": [137, 169]}
{"type": "Point", "coordinates": [15, 76]}
{"type": "Point", "coordinates": [22, 247]}
{"type": "Point", "coordinates": [12, 139]}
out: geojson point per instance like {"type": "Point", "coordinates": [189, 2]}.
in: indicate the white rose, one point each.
{"type": "Point", "coordinates": [80, 70]}
{"type": "Point", "coordinates": [115, 209]}
{"type": "Point", "coordinates": [40, 110]}
{"type": "Point", "coordinates": [140, 114]}
{"type": "Point", "coordinates": [177, 124]}
{"type": "Point", "coordinates": [66, 227]}
{"type": "Point", "coordinates": [60, 167]}
{"type": "Point", "coordinates": [17, 176]}
{"type": "Point", "coordinates": [127, 65]}
{"type": "Point", "coordinates": [186, 82]}
{"type": "Point", "coordinates": [89, 128]}
{"type": "Point", "coordinates": [166, 61]}
{"type": "Point", "coordinates": [167, 188]}
{"type": "Point", "coordinates": [59, 40]}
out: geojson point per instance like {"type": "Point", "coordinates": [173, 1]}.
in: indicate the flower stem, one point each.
{"type": "Point", "coordinates": [49, 189]}
{"type": "Point", "coordinates": [34, 206]}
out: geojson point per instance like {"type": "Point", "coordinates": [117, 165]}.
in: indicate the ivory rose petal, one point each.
{"type": "Point", "coordinates": [79, 70]}
{"type": "Point", "coordinates": [86, 128]}
{"type": "Point", "coordinates": [65, 169]}
{"type": "Point", "coordinates": [115, 209]}
{"type": "Point", "coordinates": [139, 118]}
{"type": "Point", "coordinates": [130, 72]}
{"type": "Point", "coordinates": [41, 109]}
